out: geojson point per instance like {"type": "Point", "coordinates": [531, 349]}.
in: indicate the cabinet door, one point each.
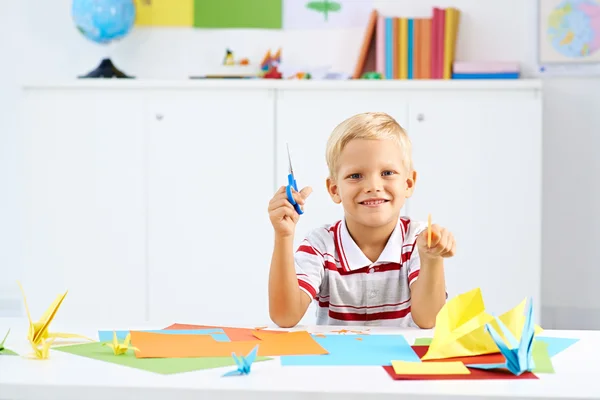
{"type": "Point", "coordinates": [84, 185]}
{"type": "Point", "coordinates": [210, 166]}
{"type": "Point", "coordinates": [305, 119]}
{"type": "Point", "coordinates": [478, 160]}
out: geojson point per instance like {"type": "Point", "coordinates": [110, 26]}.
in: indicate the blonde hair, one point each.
{"type": "Point", "coordinates": [369, 125]}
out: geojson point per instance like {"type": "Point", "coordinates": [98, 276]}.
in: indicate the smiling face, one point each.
{"type": "Point", "coordinates": [372, 182]}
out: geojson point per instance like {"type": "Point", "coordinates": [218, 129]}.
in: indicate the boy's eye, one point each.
{"type": "Point", "coordinates": [388, 173]}
{"type": "Point", "coordinates": [354, 176]}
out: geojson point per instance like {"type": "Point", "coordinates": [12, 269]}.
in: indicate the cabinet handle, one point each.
{"type": "Point", "coordinates": [159, 117]}
{"type": "Point", "coordinates": [420, 117]}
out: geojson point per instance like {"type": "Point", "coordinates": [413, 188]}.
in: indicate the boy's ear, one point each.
{"type": "Point", "coordinates": [333, 190]}
{"type": "Point", "coordinates": [411, 180]}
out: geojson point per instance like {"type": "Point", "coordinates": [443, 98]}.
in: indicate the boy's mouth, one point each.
{"type": "Point", "coordinates": [373, 202]}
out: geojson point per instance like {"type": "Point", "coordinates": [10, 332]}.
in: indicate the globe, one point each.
{"type": "Point", "coordinates": [103, 22]}
{"type": "Point", "coordinates": [574, 28]}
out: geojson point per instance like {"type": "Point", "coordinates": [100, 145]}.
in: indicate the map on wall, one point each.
{"type": "Point", "coordinates": [569, 32]}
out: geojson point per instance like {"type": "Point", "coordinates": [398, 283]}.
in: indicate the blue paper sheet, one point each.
{"type": "Point", "coordinates": [370, 350]}
{"type": "Point", "coordinates": [218, 334]}
{"type": "Point", "coordinates": [555, 344]}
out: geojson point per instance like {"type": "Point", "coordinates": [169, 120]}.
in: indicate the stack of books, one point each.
{"type": "Point", "coordinates": [420, 48]}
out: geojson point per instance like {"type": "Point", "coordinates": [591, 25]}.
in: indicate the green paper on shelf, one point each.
{"type": "Point", "coordinates": [158, 365]}
{"type": "Point", "coordinates": [424, 341]}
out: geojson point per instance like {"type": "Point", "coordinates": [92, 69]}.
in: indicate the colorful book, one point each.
{"type": "Point", "coordinates": [425, 48]}
{"type": "Point", "coordinates": [451, 34]}
{"type": "Point", "coordinates": [403, 48]}
{"type": "Point", "coordinates": [380, 43]}
{"type": "Point", "coordinates": [469, 67]}
{"type": "Point", "coordinates": [410, 53]}
{"type": "Point", "coordinates": [368, 51]}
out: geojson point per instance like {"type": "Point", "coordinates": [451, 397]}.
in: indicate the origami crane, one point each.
{"type": "Point", "coordinates": [244, 363]}
{"type": "Point", "coordinates": [519, 358]}
{"type": "Point", "coordinates": [120, 348]}
{"type": "Point", "coordinates": [4, 341]}
{"type": "Point", "coordinates": [38, 331]}
{"type": "Point", "coordinates": [460, 327]}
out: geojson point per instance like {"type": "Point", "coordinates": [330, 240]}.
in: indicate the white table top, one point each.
{"type": "Point", "coordinates": [69, 377]}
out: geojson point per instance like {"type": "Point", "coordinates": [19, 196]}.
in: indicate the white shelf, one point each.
{"type": "Point", "coordinates": [141, 84]}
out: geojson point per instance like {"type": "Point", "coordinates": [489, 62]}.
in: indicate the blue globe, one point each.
{"type": "Point", "coordinates": [103, 21]}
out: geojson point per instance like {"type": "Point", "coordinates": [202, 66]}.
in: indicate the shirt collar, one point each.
{"type": "Point", "coordinates": [352, 257]}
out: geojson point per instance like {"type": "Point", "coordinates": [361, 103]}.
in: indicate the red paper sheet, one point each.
{"type": "Point", "coordinates": [476, 374]}
{"type": "Point", "coordinates": [234, 334]}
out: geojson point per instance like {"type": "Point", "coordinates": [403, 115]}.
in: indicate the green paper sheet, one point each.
{"type": "Point", "coordinates": [266, 14]}
{"type": "Point", "coordinates": [159, 365]}
{"type": "Point", "coordinates": [7, 352]}
{"type": "Point", "coordinates": [424, 341]}
{"type": "Point", "coordinates": [541, 358]}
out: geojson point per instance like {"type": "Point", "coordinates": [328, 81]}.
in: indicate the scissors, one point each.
{"type": "Point", "coordinates": [292, 184]}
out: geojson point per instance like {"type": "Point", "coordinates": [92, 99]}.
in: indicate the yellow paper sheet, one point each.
{"type": "Point", "coordinates": [430, 368]}
{"type": "Point", "coordinates": [460, 327]}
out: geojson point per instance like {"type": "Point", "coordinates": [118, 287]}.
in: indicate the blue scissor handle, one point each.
{"type": "Point", "coordinates": [288, 190]}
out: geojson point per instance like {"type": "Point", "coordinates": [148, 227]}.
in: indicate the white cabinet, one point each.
{"type": "Point", "coordinates": [210, 178]}
{"type": "Point", "coordinates": [305, 119]}
{"type": "Point", "coordinates": [148, 201]}
{"type": "Point", "coordinates": [478, 162]}
{"type": "Point", "coordinates": [84, 204]}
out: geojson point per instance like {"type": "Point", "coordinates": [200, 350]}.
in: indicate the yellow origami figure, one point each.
{"type": "Point", "coordinates": [120, 348]}
{"type": "Point", "coordinates": [38, 331]}
{"type": "Point", "coordinates": [460, 327]}
{"type": "Point", "coordinates": [42, 352]}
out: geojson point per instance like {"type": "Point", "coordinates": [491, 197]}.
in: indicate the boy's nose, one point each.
{"type": "Point", "coordinates": [373, 185]}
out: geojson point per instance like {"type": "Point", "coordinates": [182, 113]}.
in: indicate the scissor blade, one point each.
{"type": "Point", "coordinates": [289, 158]}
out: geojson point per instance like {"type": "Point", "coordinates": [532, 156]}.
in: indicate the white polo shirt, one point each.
{"type": "Point", "coordinates": [348, 288]}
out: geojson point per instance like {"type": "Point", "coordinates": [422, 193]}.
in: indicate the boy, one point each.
{"type": "Point", "coordinates": [363, 269]}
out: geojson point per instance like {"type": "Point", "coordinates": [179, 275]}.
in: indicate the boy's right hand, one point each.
{"type": "Point", "coordinates": [282, 213]}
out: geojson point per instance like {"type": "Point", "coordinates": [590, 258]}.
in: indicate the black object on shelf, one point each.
{"type": "Point", "coordinates": [106, 69]}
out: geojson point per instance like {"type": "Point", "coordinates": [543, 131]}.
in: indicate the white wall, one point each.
{"type": "Point", "coordinates": [38, 41]}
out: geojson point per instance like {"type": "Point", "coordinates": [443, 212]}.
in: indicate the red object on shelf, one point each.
{"type": "Point", "coordinates": [273, 73]}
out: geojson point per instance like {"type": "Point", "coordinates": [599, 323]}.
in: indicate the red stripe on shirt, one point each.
{"type": "Point", "coordinates": [308, 287]}
{"type": "Point", "coordinates": [404, 222]}
{"type": "Point", "coordinates": [337, 239]}
{"type": "Point", "coordinates": [326, 304]}
{"type": "Point", "coordinates": [407, 255]}
{"type": "Point", "coordinates": [328, 265]}
{"type": "Point", "coordinates": [413, 276]}
{"type": "Point", "coordinates": [369, 317]}
{"type": "Point", "coordinates": [307, 249]}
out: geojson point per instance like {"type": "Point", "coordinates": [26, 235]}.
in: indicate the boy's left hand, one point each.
{"type": "Point", "coordinates": [442, 243]}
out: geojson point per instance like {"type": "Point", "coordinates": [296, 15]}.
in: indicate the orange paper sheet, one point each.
{"type": "Point", "coordinates": [157, 345]}
{"type": "Point", "coordinates": [234, 334]}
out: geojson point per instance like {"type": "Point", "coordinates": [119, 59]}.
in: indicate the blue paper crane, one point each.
{"type": "Point", "coordinates": [519, 358]}
{"type": "Point", "coordinates": [243, 363]}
